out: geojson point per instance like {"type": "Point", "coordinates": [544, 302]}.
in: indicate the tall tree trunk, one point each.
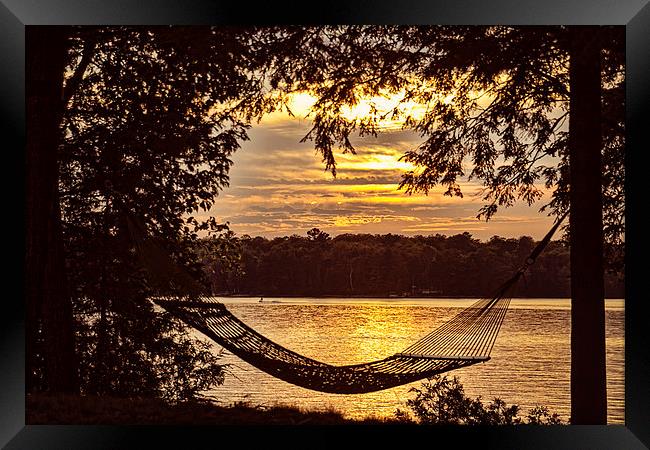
{"type": "Point", "coordinates": [588, 377]}
{"type": "Point", "coordinates": [49, 310]}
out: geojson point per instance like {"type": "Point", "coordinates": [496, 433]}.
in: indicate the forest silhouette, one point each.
{"type": "Point", "coordinates": [374, 265]}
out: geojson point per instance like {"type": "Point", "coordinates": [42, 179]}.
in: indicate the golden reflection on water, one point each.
{"type": "Point", "coordinates": [530, 362]}
{"type": "Point", "coordinates": [380, 329]}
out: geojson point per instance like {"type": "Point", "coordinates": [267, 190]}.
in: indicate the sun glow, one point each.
{"type": "Point", "coordinates": [301, 103]}
{"type": "Point", "coordinates": [385, 161]}
{"type": "Point", "coordinates": [388, 110]}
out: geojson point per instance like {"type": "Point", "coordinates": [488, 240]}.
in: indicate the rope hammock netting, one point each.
{"type": "Point", "coordinates": [465, 339]}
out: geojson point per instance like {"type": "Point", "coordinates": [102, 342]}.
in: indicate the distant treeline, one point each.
{"type": "Point", "coordinates": [392, 265]}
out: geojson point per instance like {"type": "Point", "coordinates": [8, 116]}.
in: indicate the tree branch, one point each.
{"type": "Point", "coordinates": [72, 85]}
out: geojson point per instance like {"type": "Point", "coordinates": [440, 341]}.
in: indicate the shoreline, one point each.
{"type": "Point", "coordinates": [47, 409]}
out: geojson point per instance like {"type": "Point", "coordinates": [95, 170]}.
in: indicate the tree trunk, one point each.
{"type": "Point", "coordinates": [588, 377]}
{"type": "Point", "coordinates": [49, 310]}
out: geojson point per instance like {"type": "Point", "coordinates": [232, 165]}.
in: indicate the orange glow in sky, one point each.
{"type": "Point", "coordinates": [280, 187]}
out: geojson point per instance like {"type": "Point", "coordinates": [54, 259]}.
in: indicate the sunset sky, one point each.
{"type": "Point", "coordinates": [279, 187]}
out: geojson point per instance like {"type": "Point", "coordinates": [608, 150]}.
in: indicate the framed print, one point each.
{"type": "Point", "coordinates": [243, 206]}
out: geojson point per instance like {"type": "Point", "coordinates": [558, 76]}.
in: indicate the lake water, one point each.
{"type": "Point", "coordinates": [530, 362]}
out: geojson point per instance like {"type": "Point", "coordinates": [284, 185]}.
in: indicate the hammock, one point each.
{"type": "Point", "coordinates": [464, 340]}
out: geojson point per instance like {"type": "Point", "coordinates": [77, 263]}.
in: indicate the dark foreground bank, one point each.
{"type": "Point", "coordinates": [75, 410]}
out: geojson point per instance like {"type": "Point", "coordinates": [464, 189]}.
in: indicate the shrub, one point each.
{"type": "Point", "coordinates": [441, 400]}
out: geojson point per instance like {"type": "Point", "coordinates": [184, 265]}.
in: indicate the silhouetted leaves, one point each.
{"type": "Point", "coordinates": [149, 131]}
{"type": "Point", "coordinates": [442, 401]}
{"type": "Point", "coordinates": [495, 103]}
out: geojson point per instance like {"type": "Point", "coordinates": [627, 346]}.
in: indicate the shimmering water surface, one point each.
{"type": "Point", "coordinates": [530, 362]}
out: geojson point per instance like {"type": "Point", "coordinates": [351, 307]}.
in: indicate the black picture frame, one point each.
{"type": "Point", "coordinates": [16, 14]}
